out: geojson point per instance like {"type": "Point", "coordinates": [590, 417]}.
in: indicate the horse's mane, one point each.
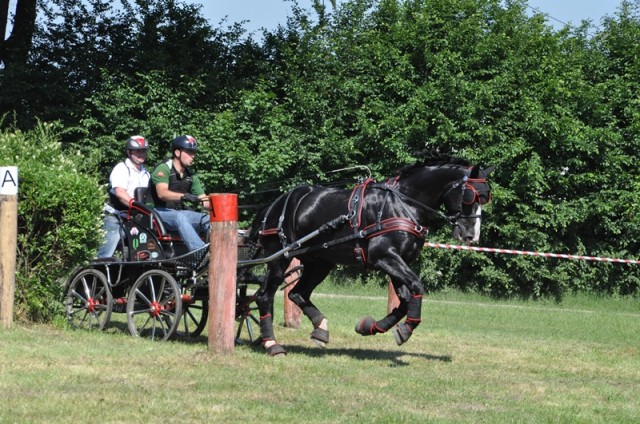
{"type": "Point", "coordinates": [429, 158]}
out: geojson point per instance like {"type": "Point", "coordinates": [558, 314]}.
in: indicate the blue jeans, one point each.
{"type": "Point", "coordinates": [112, 236]}
{"type": "Point", "coordinates": [187, 224]}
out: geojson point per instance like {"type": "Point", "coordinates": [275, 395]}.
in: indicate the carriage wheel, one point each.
{"type": "Point", "coordinates": [88, 300]}
{"type": "Point", "coordinates": [195, 310]}
{"type": "Point", "coordinates": [248, 283]}
{"type": "Point", "coordinates": [154, 306]}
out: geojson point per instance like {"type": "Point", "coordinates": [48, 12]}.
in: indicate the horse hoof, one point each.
{"type": "Point", "coordinates": [319, 343]}
{"type": "Point", "coordinates": [276, 350]}
{"type": "Point", "coordinates": [365, 326]}
{"type": "Point", "coordinates": [320, 337]}
{"type": "Point", "coordinates": [402, 332]}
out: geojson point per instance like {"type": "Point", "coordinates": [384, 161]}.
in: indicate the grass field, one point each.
{"type": "Point", "coordinates": [471, 360]}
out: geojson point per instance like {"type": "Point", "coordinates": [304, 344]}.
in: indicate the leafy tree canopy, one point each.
{"type": "Point", "coordinates": [370, 82]}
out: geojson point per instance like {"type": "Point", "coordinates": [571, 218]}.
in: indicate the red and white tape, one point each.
{"type": "Point", "coordinates": [528, 253]}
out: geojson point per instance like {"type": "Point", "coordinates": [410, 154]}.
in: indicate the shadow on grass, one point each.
{"type": "Point", "coordinates": [395, 356]}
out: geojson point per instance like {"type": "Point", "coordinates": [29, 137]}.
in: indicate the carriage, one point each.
{"type": "Point", "coordinates": [153, 279]}
{"type": "Point", "coordinates": [380, 226]}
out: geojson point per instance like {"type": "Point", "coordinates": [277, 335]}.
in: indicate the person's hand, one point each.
{"type": "Point", "coordinates": [192, 198]}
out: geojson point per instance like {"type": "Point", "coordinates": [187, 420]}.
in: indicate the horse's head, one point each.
{"type": "Point", "coordinates": [464, 201]}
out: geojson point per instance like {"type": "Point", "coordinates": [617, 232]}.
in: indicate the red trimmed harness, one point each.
{"type": "Point", "coordinates": [381, 226]}
{"type": "Point", "coordinates": [475, 189]}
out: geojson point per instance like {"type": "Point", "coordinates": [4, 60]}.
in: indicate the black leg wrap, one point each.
{"type": "Point", "coordinates": [266, 330]}
{"type": "Point", "coordinates": [266, 327]}
{"type": "Point", "coordinates": [316, 320]}
{"type": "Point", "coordinates": [414, 310]}
{"type": "Point", "coordinates": [390, 320]}
{"type": "Point", "coordinates": [404, 330]}
{"type": "Point", "coordinates": [310, 311]}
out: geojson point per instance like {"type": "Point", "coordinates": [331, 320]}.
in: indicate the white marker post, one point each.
{"type": "Point", "coordinates": [8, 241]}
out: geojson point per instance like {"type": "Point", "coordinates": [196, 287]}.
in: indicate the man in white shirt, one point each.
{"type": "Point", "coordinates": [124, 179]}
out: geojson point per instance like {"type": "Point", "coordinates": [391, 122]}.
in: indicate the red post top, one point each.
{"type": "Point", "coordinates": [224, 207]}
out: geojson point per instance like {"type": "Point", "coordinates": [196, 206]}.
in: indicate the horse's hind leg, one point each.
{"type": "Point", "coordinates": [314, 272]}
{"type": "Point", "coordinates": [264, 299]}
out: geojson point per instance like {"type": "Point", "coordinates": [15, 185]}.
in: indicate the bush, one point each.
{"type": "Point", "coordinates": [58, 218]}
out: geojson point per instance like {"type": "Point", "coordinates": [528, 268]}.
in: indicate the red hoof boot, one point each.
{"type": "Point", "coordinates": [402, 332]}
{"type": "Point", "coordinates": [366, 326]}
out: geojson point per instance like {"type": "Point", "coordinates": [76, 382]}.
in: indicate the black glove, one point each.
{"type": "Point", "coordinates": [192, 198]}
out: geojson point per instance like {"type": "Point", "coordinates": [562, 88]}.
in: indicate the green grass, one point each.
{"type": "Point", "coordinates": [471, 360]}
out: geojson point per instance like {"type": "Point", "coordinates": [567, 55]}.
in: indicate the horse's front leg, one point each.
{"type": "Point", "coordinates": [368, 326]}
{"type": "Point", "coordinates": [410, 290]}
{"type": "Point", "coordinates": [404, 330]}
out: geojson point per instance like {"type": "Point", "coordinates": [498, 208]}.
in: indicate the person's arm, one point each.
{"type": "Point", "coordinates": [198, 189]}
{"type": "Point", "coordinates": [167, 195]}
{"type": "Point", "coordinates": [123, 196]}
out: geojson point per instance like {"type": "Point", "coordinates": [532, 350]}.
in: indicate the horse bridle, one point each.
{"type": "Point", "coordinates": [468, 185]}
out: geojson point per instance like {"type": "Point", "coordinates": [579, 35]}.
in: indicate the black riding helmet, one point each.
{"type": "Point", "coordinates": [185, 142]}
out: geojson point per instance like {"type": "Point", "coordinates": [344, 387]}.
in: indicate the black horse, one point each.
{"type": "Point", "coordinates": [379, 226]}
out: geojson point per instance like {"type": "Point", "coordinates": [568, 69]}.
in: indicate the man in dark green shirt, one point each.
{"type": "Point", "coordinates": [173, 185]}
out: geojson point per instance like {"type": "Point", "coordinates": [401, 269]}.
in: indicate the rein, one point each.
{"type": "Point", "coordinates": [407, 199]}
{"type": "Point", "coordinates": [465, 182]}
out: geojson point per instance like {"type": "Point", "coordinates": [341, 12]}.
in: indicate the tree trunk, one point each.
{"type": "Point", "coordinates": [15, 49]}
{"type": "Point", "coordinates": [4, 18]}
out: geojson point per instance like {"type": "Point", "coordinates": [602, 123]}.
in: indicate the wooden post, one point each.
{"type": "Point", "coordinates": [8, 242]}
{"type": "Point", "coordinates": [392, 299]}
{"type": "Point", "coordinates": [292, 313]}
{"type": "Point", "coordinates": [223, 264]}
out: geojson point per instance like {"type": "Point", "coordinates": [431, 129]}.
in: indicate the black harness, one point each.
{"type": "Point", "coordinates": [354, 217]}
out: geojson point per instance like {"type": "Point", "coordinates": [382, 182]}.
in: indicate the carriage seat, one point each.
{"type": "Point", "coordinates": [143, 214]}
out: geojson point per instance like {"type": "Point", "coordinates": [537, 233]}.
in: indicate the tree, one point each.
{"type": "Point", "coordinates": [75, 41]}
{"type": "Point", "coordinates": [14, 54]}
{"type": "Point", "coordinates": [369, 83]}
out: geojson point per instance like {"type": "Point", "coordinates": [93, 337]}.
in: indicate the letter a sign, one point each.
{"type": "Point", "coordinates": [9, 180]}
